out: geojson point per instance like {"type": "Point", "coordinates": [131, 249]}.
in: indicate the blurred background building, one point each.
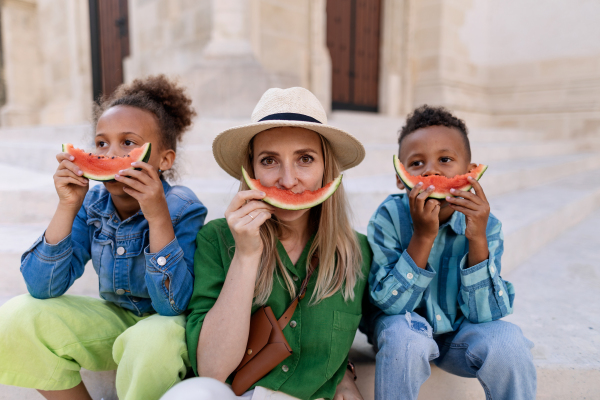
{"type": "Point", "coordinates": [513, 63]}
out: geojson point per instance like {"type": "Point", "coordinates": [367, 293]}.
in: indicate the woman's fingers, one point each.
{"type": "Point", "coordinates": [257, 219]}
{"type": "Point", "coordinates": [241, 198]}
{"type": "Point", "coordinates": [252, 205]}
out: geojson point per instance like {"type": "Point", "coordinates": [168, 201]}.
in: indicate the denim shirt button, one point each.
{"type": "Point", "coordinates": [172, 302]}
{"type": "Point", "coordinates": [500, 293]}
{"type": "Point", "coordinates": [120, 292]}
{"type": "Point", "coordinates": [121, 251]}
{"type": "Point", "coordinates": [161, 261]}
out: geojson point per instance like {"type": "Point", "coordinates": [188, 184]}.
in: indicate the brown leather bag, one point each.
{"type": "Point", "coordinates": [267, 346]}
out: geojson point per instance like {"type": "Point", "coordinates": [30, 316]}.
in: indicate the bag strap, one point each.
{"type": "Point", "coordinates": [287, 315]}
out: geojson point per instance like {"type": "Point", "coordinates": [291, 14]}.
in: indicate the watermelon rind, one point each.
{"type": "Point", "coordinates": [294, 207]}
{"type": "Point", "coordinates": [434, 195]}
{"type": "Point", "coordinates": [145, 156]}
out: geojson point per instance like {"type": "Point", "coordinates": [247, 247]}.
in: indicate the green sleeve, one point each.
{"type": "Point", "coordinates": [209, 279]}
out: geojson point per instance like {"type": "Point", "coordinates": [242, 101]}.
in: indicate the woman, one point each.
{"type": "Point", "coordinates": [260, 255]}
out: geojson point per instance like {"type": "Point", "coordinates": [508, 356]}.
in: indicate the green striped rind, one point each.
{"type": "Point", "coordinates": [107, 178]}
{"type": "Point", "coordinates": [440, 196]}
{"type": "Point", "coordinates": [279, 204]}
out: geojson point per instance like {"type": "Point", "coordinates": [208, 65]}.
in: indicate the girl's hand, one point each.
{"type": "Point", "coordinates": [347, 389]}
{"type": "Point", "coordinates": [70, 185]}
{"type": "Point", "coordinates": [245, 215]}
{"type": "Point", "coordinates": [145, 186]}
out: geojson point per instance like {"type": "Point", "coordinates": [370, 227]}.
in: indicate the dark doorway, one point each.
{"type": "Point", "coordinates": [353, 40]}
{"type": "Point", "coordinates": [109, 28]}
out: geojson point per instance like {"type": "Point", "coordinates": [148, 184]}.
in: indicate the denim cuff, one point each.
{"type": "Point", "coordinates": [165, 258]}
{"type": "Point", "coordinates": [407, 273]}
{"type": "Point", "coordinates": [478, 273]}
{"type": "Point", "coordinates": [51, 252]}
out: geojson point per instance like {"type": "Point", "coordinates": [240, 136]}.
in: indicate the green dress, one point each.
{"type": "Point", "coordinates": [322, 334]}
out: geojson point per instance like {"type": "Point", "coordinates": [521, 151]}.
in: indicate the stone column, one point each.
{"type": "Point", "coordinates": [320, 60]}
{"type": "Point", "coordinates": [21, 58]}
{"type": "Point", "coordinates": [228, 80]}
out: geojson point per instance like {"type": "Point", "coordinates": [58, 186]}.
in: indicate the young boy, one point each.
{"type": "Point", "coordinates": [436, 276]}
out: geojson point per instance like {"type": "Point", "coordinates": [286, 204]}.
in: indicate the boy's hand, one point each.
{"type": "Point", "coordinates": [475, 207]}
{"type": "Point", "coordinates": [424, 212]}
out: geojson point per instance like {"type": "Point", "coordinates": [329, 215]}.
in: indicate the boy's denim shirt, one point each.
{"type": "Point", "coordinates": [447, 291]}
{"type": "Point", "coordinates": [130, 276]}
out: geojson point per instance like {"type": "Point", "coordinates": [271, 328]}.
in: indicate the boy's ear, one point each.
{"type": "Point", "coordinates": [472, 166]}
{"type": "Point", "coordinates": [399, 183]}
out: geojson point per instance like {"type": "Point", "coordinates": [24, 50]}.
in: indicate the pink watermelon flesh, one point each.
{"type": "Point", "coordinates": [441, 183]}
{"type": "Point", "coordinates": [288, 200]}
{"type": "Point", "coordinates": [103, 168]}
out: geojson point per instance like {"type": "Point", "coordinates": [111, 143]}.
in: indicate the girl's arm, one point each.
{"type": "Point", "coordinates": [224, 335]}
{"type": "Point", "coordinates": [56, 260]}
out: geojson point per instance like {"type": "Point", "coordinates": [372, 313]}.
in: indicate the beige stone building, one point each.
{"type": "Point", "coordinates": [529, 64]}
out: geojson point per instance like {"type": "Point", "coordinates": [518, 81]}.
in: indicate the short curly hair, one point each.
{"type": "Point", "coordinates": [162, 97]}
{"type": "Point", "coordinates": [426, 116]}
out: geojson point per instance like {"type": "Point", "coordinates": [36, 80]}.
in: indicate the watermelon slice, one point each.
{"type": "Point", "coordinates": [104, 168]}
{"type": "Point", "coordinates": [288, 200]}
{"type": "Point", "coordinates": [441, 183]}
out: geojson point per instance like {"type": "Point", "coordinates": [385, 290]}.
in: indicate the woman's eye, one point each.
{"type": "Point", "coordinates": [306, 159]}
{"type": "Point", "coordinates": [267, 161]}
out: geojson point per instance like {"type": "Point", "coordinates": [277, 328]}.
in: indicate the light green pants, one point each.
{"type": "Point", "coordinates": [45, 343]}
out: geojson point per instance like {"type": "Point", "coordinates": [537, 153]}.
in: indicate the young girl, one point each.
{"type": "Point", "coordinates": [260, 255]}
{"type": "Point", "coordinates": [140, 234]}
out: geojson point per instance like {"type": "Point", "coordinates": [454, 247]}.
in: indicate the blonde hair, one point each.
{"type": "Point", "coordinates": [335, 242]}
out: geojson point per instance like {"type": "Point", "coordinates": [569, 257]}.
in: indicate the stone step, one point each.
{"type": "Point", "coordinates": [557, 306]}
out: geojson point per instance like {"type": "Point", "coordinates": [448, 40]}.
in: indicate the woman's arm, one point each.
{"type": "Point", "coordinates": [224, 335]}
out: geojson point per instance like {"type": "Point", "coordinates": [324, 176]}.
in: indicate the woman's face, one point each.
{"type": "Point", "coordinates": [289, 158]}
{"type": "Point", "coordinates": [121, 129]}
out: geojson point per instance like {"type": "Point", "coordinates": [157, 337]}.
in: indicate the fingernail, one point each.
{"type": "Point", "coordinates": [431, 187]}
{"type": "Point", "coordinates": [448, 198]}
{"type": "Point", "coordinates": [134, 163]}
{"type": "Point", "coordinates": [117, 176]}
{"type": "Point", "coordinates": [79, 172]}
{"type": "Point", "coordinates": [263, 194]}
{"type": "Point", "coordinates": [452, 190]}
{"type": "Point", "coordinates": [71, 158]}
{"type": "Point", "coordinates": [419, 184]}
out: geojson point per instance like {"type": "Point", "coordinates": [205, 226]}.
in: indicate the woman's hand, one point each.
{"type": "Point", "coordinates": [70, 185]}
{"type": "Point", "coordinates": [347, 389]}
{"type": "Point", "coordinates": [145, 186]}
{"type": "Point", "coordinates": [245, 215]}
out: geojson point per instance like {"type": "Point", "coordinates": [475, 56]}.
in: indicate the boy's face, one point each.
{"type": "Point", "coordinates": [434, 150]}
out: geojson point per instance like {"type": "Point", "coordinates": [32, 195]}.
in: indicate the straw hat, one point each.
{"type": "Point", "coordinates": [296, 107]}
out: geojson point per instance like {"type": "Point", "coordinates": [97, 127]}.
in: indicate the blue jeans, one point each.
{"type": "Point", "coordinates": [495, 352]}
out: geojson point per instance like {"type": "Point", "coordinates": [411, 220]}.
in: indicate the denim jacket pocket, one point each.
{"type": "Point", "coordinates": [100, 244]}
{"type": "Point", "coordinates": [342, 336]}
{"type": "Point", "coordinates": [136, 246]}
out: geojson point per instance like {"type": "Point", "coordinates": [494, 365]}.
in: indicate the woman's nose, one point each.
{"type": "Point", "coordinates": [288, 178]}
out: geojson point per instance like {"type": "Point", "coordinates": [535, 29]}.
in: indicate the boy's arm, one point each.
{"type": "Point", "coordinates": [484, 296]}
{"type": "Point", "coordinates": [396, 283]}
{"type": "Point", "coordinates": [49, 270]}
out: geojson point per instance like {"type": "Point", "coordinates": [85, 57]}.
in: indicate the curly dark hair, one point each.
{"type": "Point", "coordinates": [162, 97]}
{"type": "Point", "coordinates": [426, 116]}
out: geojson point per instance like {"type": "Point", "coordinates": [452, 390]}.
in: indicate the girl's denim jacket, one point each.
{"type": "Point", "coordinates": [130, 276]}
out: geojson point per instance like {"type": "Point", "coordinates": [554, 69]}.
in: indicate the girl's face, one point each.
{"type": "Point", "coordinates": [120, 129]}
{"type": "Point", "coordinates": [289, 158]}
